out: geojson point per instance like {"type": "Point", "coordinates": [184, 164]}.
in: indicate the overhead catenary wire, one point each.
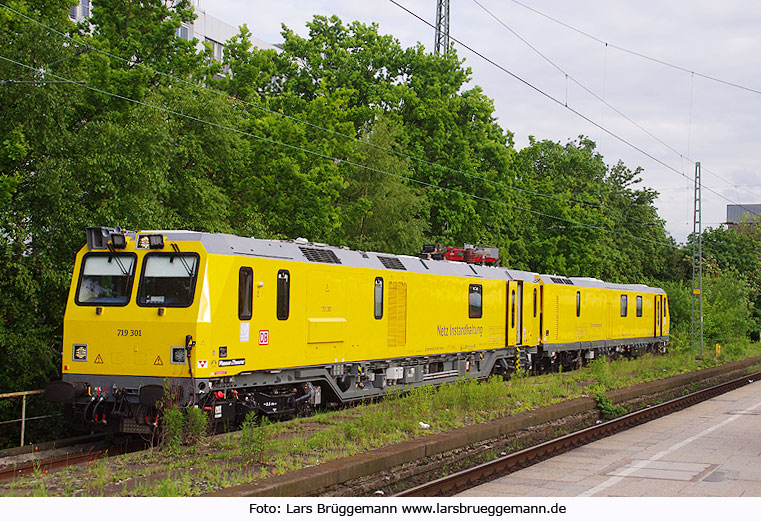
{"type": "Point", "coordinates": [341, 160]}
{"type": "Point", "coordinates": [602, 98]}
{"type": "Point", "coordinates": [656, 60]}
{"type": "Point", "coordinates": [639, 54]}
{"type": "Point", "coordinates": [268, 110]}
{"type": "Point", "coordinates": [86, 47]}
{"type": "Point", "coordinates": [559, 102]}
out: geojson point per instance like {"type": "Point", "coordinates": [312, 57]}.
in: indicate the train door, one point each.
{"type": "Point", "coordinates": [518, 299]}
{"type": "Point", "coordinates": [541, 313]}
{"type": "Point", "coordinates": [530, 315]}
{"type": "Point", "coordinates": [660, 315]}
{"type": "Point", "coordinates": [511, 335]}
{"type": "Point", "coordinates": [657, 309]}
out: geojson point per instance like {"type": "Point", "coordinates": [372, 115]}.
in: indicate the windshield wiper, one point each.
{"type": "Point", "coordinates": [182, 259]}
{"type": "Point", "coordinates": [115, 256]}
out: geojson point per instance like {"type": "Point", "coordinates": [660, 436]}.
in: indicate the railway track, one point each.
{"type": "Point", "coordinates": [87, 450]}
{"type": "Point", "coordinates": [460, 481]}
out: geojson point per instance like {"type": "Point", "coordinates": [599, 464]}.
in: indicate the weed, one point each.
{"type": "Point", "coordinates": [254, 437]}
{"type": "Point", "coordinates": [600, 371]}
{"type": "Point", "coordinates": [170, 487]}
{"type": "Point", "coordinates": [607, 409]}
{"type": "Point", "coordinates": [289, 445]}
{"type": "Point", "coordinates": [196, 425]}
{"type": "Point", "coordinates": [172, 429]}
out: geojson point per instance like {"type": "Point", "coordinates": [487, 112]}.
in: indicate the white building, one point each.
{"type": "Point", "coordinates": [205, 28]}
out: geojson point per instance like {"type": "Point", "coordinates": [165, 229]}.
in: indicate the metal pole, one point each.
{"type": "Point", "coordinates": [441, 42]}
{"type": "Point", "coordinates": [697, 267]}
{"type": "Point", "coordinates": [23, 418]}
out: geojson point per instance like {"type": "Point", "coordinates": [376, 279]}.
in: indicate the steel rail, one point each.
{"type": "Point", "coordinates": [469, 478]}
{"type": "Point", "coordinates": [44, 465]}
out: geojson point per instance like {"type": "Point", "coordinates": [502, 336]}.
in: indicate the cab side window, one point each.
{"type": "Point", "coordinates": [378, 297]}
{"type": "Point", "coordinates": [475, 293]}
{"type": "Point", "coordinates": [283, 294]}
{"type": "Point", "coordinates": [639, 306]}
{"type": "Point", "coordinates": [245, 293]}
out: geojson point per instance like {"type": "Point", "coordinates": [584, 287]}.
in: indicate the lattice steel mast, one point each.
{"type": "Point", "coordinates": [697, 268]}
{"type": "Point", "coordinates": [441, 43]}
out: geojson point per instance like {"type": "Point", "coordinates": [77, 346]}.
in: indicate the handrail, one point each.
{"type": "Point", "coordinates": [23, 419]}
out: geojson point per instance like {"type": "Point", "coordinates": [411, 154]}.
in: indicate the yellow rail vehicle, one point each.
{"type": "Point", "coordinates": [236, 324]}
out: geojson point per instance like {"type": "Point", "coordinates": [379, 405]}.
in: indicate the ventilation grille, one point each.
{"type": "Point", "coordinates": [316, 255]}
{"type": "Point", "coordinates": [392, 263]}
{"type": "Point", "coordinates": [560, 280]}
{"type": "Point", "coordinates": [397, 314]}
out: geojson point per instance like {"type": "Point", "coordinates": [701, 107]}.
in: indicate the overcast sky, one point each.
{"type": "Point", "coordinates": [700, 119]}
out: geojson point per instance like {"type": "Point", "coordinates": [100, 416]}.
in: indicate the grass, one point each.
{"type": "Point", "coordinates": [262, 450]}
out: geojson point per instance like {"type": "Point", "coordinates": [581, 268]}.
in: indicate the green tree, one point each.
{"type": "Point", "coordinates": [382, 211]}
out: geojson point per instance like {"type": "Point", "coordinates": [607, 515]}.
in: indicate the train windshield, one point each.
{"type": "Point", "coordinates": [168, 280]}
{"type": "Point", "coordinates": [106, 279]}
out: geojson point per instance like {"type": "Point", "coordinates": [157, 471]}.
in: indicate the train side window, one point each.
{"type": "Point", "coordinates": [665, 306]}
{"type": "Point", "coordinates": [512, 315]}
{"type": "Point", "coordinates": [245, 293]}
{"type": "Point", "coordinates": [639, 306]}
{"type": "Point", "coordinates": [283, 294]}
{"type": "Point", "coordinates": [534, 302]}
{"type": "Point", "coordinates": [475, 301]}
{"type": "Point", "coordinates": [623, 305]}
{"type": "Point", "coordinates": [378, 297]}
{"type": "Point", "coordinates": [578, 303]}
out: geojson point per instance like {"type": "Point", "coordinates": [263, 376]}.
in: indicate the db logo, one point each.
{"type": "Point", "coordinates": [264, 337]}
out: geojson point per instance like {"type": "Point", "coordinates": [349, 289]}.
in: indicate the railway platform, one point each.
{"type": "Point", "coordinates": [710, 449]}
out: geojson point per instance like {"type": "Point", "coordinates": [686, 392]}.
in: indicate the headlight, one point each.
{"type": "Point", "coordinates": [153, 242]}
{"type": "Point", "coordinates": [79, 353]}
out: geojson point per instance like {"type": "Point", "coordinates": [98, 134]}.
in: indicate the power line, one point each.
{"type": "Point", "coordinates": [639, 54]}
{"type": "Point", "coordinates": [87, 47]}
{"type": "Point", "coordinates": [557, 101]}
{"type": "Point", "coordinates": [602, 100]}
{"type": "Point", "coordinates": [37, 82]}
{"type": "Point", "coordinates": [335, 159]}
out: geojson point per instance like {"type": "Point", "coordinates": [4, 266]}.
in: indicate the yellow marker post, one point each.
{"type": "Point", "coordinates": [718, 350]}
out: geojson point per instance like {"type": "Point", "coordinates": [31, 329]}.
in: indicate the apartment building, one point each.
{"type": "Point", "coordinates": [205, 28]}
